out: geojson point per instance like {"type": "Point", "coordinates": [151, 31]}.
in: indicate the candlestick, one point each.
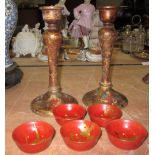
{"type": "Point", "coordinates": [52, 38]}
{"type": "Point", "coordinates": [105, 94]}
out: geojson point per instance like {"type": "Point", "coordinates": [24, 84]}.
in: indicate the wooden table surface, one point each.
{"type": "Point", "coordinates": [76, 81]}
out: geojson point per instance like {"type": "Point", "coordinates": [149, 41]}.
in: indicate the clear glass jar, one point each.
{"type": "Point", "coordinates": [147, 37]}
{"type": "Point", "coordinates": [133, 40]}
{"type": "Point", "coordinates": [142, 36]}
{"type": "Point", "coordinates": [138, 39]}
{"type": "Point", "coordinates": [127, 39]}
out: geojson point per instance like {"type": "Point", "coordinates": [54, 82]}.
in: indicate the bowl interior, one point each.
{"type": "Point", "coordinates": [80, 131]}
{"type": "Point", "coordinates": [106, 111]}
{"type": "Point", "coordinates": [69, 111]}
{"type": "Point", "coordinates": [126, 130]}
{"type": "Point", "coordinates": [33, 133]}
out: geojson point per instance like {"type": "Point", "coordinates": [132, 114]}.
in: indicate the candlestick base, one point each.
{"type": "Point", "coordinates": [108, 96]}
{"type": "Point", "coordinates": [43, 104]}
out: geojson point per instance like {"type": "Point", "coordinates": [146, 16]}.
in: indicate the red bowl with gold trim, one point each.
{"type": "Point", "coordinates": [67, 112]}
{"type": "Point", "coordinates": [102, 114]}
{"type": "Point", "coordinates": [126, 134]}
{"type": "Point", "coordinates": [80, 135]}
{"type": "Point", "coordinates": [33, 137]}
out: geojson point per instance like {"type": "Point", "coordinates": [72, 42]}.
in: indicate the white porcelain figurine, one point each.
{"type": "Point", "coordinates": [65, 14]}
{"type": "Point", "coordinates": [94, 44]}
{"type": "Point", "coordinates": [84, 14]}
{"type": "Point", "coordinates": [28, 41]}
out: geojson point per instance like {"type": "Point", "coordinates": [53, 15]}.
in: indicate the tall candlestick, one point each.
{"type": "Point", "coordinates": [105, 94]}
{"type": "Point", "coordinates": [52, 38]}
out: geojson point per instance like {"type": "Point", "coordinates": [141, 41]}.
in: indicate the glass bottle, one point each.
{"type": "Point", "coordinates": [127, 39]}
{"type": "Point", "coordinates": [138, 39]}
{"type": "Point", "coordinates": [142, 35]}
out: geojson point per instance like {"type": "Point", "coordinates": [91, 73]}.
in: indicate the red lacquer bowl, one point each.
{"type": "Point", "coordinates": [102, 114]}
{"type": "Point", "coordinates": [126, 134]}
{"type": "Point", "coordinates": [33, 137]}
{"type": "Point", "coordinates": [80, 135]}
{"type": "Point", "coordinates": [67, 112]}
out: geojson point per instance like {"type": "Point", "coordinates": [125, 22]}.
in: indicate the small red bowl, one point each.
{"type": "Point", "coordinates": [102, 114]}
{"type": "Point", "coordinates": [80, 135]}
{"type": "Point", "coordinates": [67, 112]}
{"type": "Point", "coordinates": [126, 134]}
{"type": "Point", "coordinates": [33, 137]}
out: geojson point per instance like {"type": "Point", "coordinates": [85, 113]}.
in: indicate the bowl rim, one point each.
{"type": "Point", "coordinates": [28, 123]}
{"type": "Point", "coordinates": [54, 110]}
{"type": "Point", "coordinates": [127, 120]}
{"type": "Point", "coordinates": [108, 118]}
{"type": "Point", "coordinates": [68, 138]}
